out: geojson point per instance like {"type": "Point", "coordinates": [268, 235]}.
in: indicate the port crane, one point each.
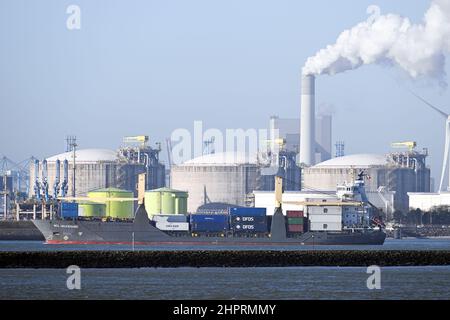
{"type": "Point", "coordinates": [410, 145]}
{"type": "Point", "coordinates": [142, 140]}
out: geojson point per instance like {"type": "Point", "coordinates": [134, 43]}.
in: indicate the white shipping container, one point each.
{"type": "Point", "coordinates": [169, 218]}
{"type": "Point", "coordinates": [325, 226]}
{"type": "Point", "coordinates": [325, 210]}
{"type": "Point", "coordinates": [172, 226]}
{"type": "Point", "coordinates": [325, 218]}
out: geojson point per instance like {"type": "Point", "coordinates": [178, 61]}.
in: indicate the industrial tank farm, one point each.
{"type": "Point", "coordinates": [98, 168]}
{"type": "Point", "coordinates": [230, 178]}
{"type": "Point", "coordinates": [397, 172]}
{"type": "Point", "coordinates": [95, 168]}
{"type": "Point", "coordinates": [221, 177]}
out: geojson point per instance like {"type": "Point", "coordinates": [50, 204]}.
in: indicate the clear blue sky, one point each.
{"type": "Point", "coordinates": [149, 67]}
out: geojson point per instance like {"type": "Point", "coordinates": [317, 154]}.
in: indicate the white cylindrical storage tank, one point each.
{"type": "Point", "coordinates": [380, 169]}
{"type": "Point", "coordinates": [326, 176]}
{"type": "Point", "coordinates": [94, 169]}
{"type": "Point", "coordinates": [307, 121]}
{"type": "Point", "coordinates": [221, 177]}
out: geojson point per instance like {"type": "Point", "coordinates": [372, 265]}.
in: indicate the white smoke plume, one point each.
{"type": "Point", "coordinates": [419, 49]}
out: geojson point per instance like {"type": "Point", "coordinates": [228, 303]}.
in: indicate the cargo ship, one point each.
{"type": "Point", "coordinates": [347, 221]}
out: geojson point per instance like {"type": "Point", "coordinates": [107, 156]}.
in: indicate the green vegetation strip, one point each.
{"type": "Point", "coordinates": [168, 259]}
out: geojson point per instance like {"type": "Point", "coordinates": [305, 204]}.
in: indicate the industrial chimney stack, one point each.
{"type": "Point", "coordinates": [307, 121]}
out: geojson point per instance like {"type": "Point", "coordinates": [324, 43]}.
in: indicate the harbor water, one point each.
{"type": "Point", "coordinates": [233, 283]}
{"type": "Point", "coordinates": [432, 282]}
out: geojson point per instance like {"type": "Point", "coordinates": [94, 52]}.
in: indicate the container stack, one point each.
{"type": "Point", "coordinates": [295, 221]}
{"type": "Point", "coordinates": [248, 220]}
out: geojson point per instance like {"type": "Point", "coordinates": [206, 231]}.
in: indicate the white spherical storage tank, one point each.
{"type": "Point", "coordinates": [222, 177]}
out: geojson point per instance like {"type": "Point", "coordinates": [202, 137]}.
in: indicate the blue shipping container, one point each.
{"type": "Point", "coordinates": [250, 227]}
{"type": "Point", "coordinates": [69, 210]}
{"type": "Point", "coordinates": [209, 222]}
{"type": "Point", "coordinates": [255, 224]}
{"type": "Point", "coordinates": [249, 219]}
{"type": "Point", "coordinates": [248, 211]}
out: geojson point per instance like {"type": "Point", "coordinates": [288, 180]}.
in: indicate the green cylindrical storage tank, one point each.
{"type": "Point", "coordinates": [115, 209]}
{"type": "Point", "coordinates": [166, 201]}
{"type": "Point", "coordinates": [92, 209]}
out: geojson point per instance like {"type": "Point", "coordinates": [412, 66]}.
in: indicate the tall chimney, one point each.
{"type": "Point", "coordinates": [307, 121]}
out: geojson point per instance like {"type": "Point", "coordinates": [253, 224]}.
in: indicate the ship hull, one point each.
{"type": "Point", "coordinates": [96, 233]}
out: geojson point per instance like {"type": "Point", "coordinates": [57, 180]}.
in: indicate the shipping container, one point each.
{"type": "Point", "coordinates": [324, 210]}
{"type": "Point", "coordinates": [329, 226]}
{"type": "Point", "coordinates": [255, 224]}
{"type": "Point", "coordinates": [325, 218]}
{"type": "Point", "coordinates": [248, 219]}
{"type": "Point", "coordinates": [209, 222]}
{"type": "Point", "coordinates": [170, 218]}
{"type": "Point", "coordinates": [209, 227]}
{"type": "Point", "coordinates": [295, 214]}
{"type": "Point", "coordinates": [295, 228]}
{"type": "Point", "coordinates": [295, 221]}
{"type": "Point", "coordinates": [69, 210]}
{"type": "Point", "coordinates": [250, 227]}
{"type": "Point", "coordinates": [172, 226]}
{"type": "Point", "coordinates": [243, 211]}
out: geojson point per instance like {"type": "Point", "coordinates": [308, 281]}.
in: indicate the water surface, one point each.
{"type": "Point", "coordinates": [230, 283]}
